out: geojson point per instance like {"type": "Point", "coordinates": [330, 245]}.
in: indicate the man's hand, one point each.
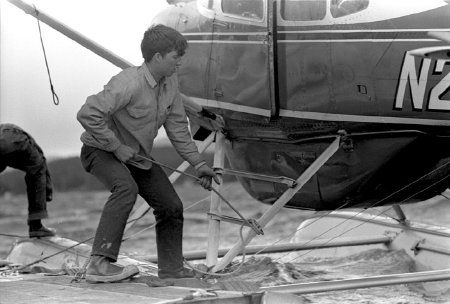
{"type": "Point", "coordinates": [124, 153]}
{"type": "Point", "coordinates": [206, 174]}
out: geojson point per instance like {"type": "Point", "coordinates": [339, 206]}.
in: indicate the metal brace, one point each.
{"type": "Point", "coordinates": [346, 141]}
{"type": "Point", "coordinates": [275, 179]}
{"type": "Point", "coordinates": [254, 226]}
{"type": "Point", "coordinates": [252, 223]}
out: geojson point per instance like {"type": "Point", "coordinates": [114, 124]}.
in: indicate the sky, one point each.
{"type": "Point", "coordinates": [25, 95]}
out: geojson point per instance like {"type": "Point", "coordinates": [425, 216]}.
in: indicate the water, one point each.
{"type": "Point", "coordinates": [266, 271]}
{"type": "Point", "coordinates": [75, 216]}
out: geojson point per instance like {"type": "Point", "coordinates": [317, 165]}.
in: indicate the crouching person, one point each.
{"type": "Point", "coordinates": [20, 151]}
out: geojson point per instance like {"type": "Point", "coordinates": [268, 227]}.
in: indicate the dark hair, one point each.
{"type": "Point", "coordinates": [162, 39]}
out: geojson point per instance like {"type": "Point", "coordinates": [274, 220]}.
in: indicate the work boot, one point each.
{"type": "Point", "coordinates": [182, 274]}
{"type": "Point", "coordinates": [101, 270]}
{"type": "Point", "coordinates": [41, 232]}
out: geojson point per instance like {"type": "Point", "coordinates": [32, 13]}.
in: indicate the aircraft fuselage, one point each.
{"type": "Point", "coordinates": [288, 75]}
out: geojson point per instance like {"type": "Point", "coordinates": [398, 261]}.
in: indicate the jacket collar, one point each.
{"type": "Point", "coordinates": [149, 77]}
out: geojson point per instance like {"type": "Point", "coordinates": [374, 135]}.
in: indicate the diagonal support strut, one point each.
{"type": "Point", "coordinates": [279, 204]}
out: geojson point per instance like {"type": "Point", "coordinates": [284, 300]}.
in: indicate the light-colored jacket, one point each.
{"type": "Point", "coordinates": [129, 112]}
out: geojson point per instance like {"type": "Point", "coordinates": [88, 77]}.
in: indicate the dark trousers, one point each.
{"type": "Point", "coordinates": [125, 182]}
{"type": "Point", "coordinates": [18, 150]}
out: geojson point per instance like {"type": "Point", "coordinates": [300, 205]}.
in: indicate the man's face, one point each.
{"type": "Point", "coordinates": [169, 63]}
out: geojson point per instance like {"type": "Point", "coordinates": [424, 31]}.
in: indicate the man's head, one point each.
{"type": "Point", "coordinates": [162, 48]}
{"type": "Point", "coordinates": [162, 39]}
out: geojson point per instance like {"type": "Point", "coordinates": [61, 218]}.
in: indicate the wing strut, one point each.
{"type": "Point", "coordinates": [72, 34]}
{"type": "Point", "coordinates": [91, 45]}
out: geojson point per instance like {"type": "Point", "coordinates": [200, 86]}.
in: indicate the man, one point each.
{"type": "Point", "coordinates": [121, 123]}
{"type": "Point", "coordinates": [19, 150]}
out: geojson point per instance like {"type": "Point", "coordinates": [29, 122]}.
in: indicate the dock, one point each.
{"type": "Point", "coordinates": [51, 289]}
{"type": "Point", "coordinates": [54, 282]}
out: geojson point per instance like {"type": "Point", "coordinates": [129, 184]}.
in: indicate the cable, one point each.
{"type": "Point", "coordinates": [154, 224]}
{"type": "Point", "coordinates": [371, 206]}
{"type": "Point", "coordinates": [14, 236]}
{"type": "Point", "coordinates": [309, 224]}
{"type": "Point", "coordinates": [222, 274]}
{"type": "Point", "coordinates": [364, 222]}
{"type": "Point", "coordinates": [54, 254]}
{"type": "Point", "coordinates": [251, 224]}
{"type": "Point", "coordinates": [442, 194]}
{"type": "Point", "coordinates": [54, 95]}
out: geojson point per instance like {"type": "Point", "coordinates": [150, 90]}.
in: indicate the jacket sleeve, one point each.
{"type": "Point", "coordinates": [177, 130]}
{"type": "Point", "coordinates": [96, 113]}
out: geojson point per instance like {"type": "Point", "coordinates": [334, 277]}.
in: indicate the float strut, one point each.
{"type": "Point", "coordinates": [279, 204]}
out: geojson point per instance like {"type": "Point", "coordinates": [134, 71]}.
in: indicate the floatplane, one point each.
{"type": "Point", "coordinates": [329, 105]}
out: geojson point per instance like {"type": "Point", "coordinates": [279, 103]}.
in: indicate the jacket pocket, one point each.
{"type": "Point", "coordinates": [138, 112]}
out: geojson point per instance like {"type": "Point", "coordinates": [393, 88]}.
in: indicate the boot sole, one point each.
{"type": "Point", "coordinates": [38, 234]}
{"type": "Point", "coordinates": [128, 272]}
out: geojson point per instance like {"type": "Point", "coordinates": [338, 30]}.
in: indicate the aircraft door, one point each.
{"type": "Point", "coordinates": [240, 56]}
{"type": "Point", "coordinates": [354, 56]}
{"type": "Point", "coordinates": [303, 56]}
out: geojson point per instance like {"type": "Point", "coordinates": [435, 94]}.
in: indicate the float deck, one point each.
{"type": "Point", "coordinates": [39, 288]}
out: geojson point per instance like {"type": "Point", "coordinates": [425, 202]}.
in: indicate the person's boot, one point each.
{"type": "Point", "coordinates": [37, 230]}
{"type": "Point", "coordinates": [181, 274]}
{"type": "Point", "coordinates": [101, 270]}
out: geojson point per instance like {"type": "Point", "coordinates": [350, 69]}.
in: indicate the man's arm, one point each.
{"type": "Point", "coordinates": [177, 130]}
{"type": "Point", "coordinates": [94, 114]}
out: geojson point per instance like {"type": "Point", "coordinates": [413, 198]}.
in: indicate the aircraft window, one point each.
{"type": "Point", "coordinates": [340, 8]}
{"type": "Point", "coordinates": [303, 10]}
{"type": "Point", "coordinates": [244, 8]}
{"type": "Point", "coordinates": [206, 3]}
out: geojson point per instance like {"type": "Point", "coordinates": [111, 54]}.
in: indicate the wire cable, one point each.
{"type": "Point", "coordinates": [366, 221]}
{"type": "Point", "coordinates": [54, 95]}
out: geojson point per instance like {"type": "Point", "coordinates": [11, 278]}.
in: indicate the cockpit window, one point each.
{"type": "Point", "coordinates": [206, 3]}
{"type": "Point", "coordinates": [303, 10]}
{"type": "Point", "coordinates": [340, 8]}
{"type": "Point", "coordinates": [252, 9]}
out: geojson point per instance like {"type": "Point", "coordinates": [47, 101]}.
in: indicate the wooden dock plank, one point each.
{"type": "Point", "coordinates": [36, 293]}
{"type": "Point", "coordinates": [38, 288]}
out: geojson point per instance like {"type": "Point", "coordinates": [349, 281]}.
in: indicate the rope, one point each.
{"type": "Point", "coordinates": [445, 196]}
{"type": "Point", "coordinates": [222, 274]}
{"type": "Point", "coordinates": [79, 275]}
{"type": "Point", "coordinates": [54, 95]}
{"type": "Point", "coordinates": [250, 224]}
{"type": "Point", "coordinates": [154, 224]}
{"type": "Point", "coordinates": [366, 221]}
{"type": "Point", "coordinates": [82, 271]}
{"type": "Point", "coordinates": [291, 234]}
{"type": "Point", "coordinates": [49, 256]}
{"type": "Point", "coordinates": [373, 205]}
{"type": "Point", "coordinates": [55, 254]}
{"type": "Point", "coordinates": [14, 236]}
{"type": "Point", "coordinates": [346, 231]}
{"type": "Point", "coordinates": [139, 232]}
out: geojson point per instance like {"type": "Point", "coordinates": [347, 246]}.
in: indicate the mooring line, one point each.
{"type": "Point", "coordinates": [366, 221]}
{"type": "Point", "coordinates": [309, 224]}
{"type": "Point", "coordinates": [362, 211]}
{"type": "Point", "coordinates": [154, 224]}
{"type": "Point", "coordinates": [248, 223]}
